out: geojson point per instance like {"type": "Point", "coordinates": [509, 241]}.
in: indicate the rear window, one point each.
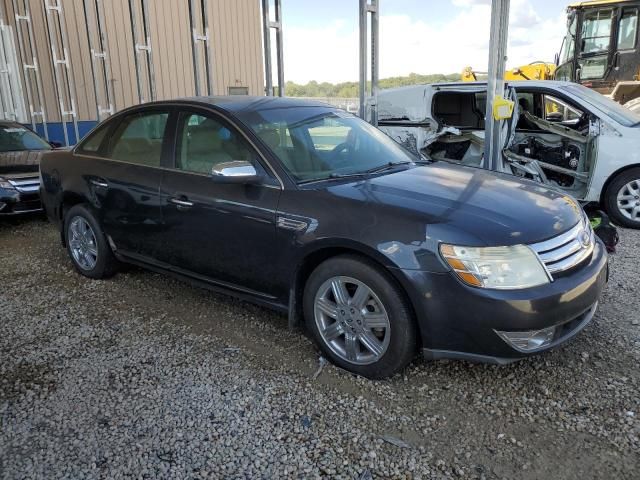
{"type": "Point", "coordinates": [18, 138]}
{"type": "Point", "coordinates": [91, 145]}
{"type": "Point", "coordinates": [138, 139]}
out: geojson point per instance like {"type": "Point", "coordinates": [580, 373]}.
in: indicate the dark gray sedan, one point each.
{"type": "Point", "coordinates": [307, 209]}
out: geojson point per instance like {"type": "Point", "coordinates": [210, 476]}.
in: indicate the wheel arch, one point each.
{"type": "Point", "coordinates": [313, 258]}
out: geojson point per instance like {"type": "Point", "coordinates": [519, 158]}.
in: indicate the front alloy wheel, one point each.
{"type": "Point", "coordinates": [359, 316]}
{"type": "Point", "coordinates": [352, 320]}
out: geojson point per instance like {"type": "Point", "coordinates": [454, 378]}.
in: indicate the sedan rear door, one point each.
{"type": "Point", "coordinates": [121, 171]}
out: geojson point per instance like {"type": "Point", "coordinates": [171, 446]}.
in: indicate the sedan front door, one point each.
{"type": "Point", "coordinates": [222, 232]}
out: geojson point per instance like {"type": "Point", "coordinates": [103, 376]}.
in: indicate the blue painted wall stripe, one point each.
{"type": "Point", "coordinates": [56, 132]}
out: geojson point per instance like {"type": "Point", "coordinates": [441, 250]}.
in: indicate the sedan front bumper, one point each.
{"type": "Point", "coordinates": [462, 322]}
{"type": "Point", "coordinates": [13, 202]}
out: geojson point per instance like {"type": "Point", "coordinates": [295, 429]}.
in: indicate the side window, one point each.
{"type": "Point", "coordinates": [596, 35]}
{"type": "Point", "coordinates": [481, 102]}
{"type": "Point", "coordinates": [558, 111]}
{"type": "Point", "coordinates": [138, 139]}
{"type": "Point", "coordinates": [460, 109]}
{"type": "Point", "coordinates": [526, 102]}
{"type": "Point", "coordinates": [205, 142]}
{"type": "Point", "coordinates": [628, 30]}
{"type": "Point", "coordinates": [92, 143]}
{"type": "Point", "coordinates": [595, 67]}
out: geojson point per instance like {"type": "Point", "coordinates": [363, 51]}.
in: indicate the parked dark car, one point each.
{"type": "Point", "coordinates": [20, 152]}
{"type": "Point", "coordinates": [308, 209]}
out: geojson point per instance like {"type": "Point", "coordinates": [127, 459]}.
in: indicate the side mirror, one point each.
{"type": "Point", "coordinates": [55, 144]}
{"type": "Point", "coordinates": [556, 59]}
{"type": "Point", "coordinates": [236, 171]}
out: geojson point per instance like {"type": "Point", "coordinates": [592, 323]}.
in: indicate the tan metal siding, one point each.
{"type": "Point", "coordinates": [237, 45]}
{"type": "Point", "coordinates": [171, 47]}
{"type": "Point", "coordinates": [80, 58]}
{"type": "Point", "coordinates": [236, 55]}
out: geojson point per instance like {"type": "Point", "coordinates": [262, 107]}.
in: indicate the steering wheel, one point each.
{"type": "Point", "coordinates": [335, 155]}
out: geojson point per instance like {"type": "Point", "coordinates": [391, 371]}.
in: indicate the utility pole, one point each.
{"type": "Point", "coordinates": [203, 38]}
{"type": "Point", "coordinates": [369, 7]}
{"type": "Point", "coordinates": [495, 87]}
{"type": "Point", "coordinates": [267, 26]}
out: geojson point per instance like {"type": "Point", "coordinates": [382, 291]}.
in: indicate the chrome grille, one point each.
{"type": "Point", "coordinates": [26, 184]}
{"type": "Point", "coordinates": [567, 250]}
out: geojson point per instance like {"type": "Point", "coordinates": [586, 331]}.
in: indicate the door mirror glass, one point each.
{"type": "Point", "coordinates": [236, 171]}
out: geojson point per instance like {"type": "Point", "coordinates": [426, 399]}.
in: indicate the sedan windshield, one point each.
{"type": "Point", "coordinates": [617, 112]}
{"type": "Point", "coordinates": [318, 143]}
{"type": "Point", "coordinates": [15, 137]}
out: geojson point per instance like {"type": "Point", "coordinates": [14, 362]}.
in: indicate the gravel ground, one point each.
{"type": "Point", "coordinates": [143, 376]}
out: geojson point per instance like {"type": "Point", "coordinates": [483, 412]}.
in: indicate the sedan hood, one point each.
{"type": "Point", "coordinates": [483, 207]}
{"type": "Point", "coordinates": [19, 162]}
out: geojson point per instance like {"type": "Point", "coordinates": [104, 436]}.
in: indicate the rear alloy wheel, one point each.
{"type": "Point", "coordinates": [359, 317]}
{"type": "Point", "coordinates": [87, 245]}
{"type": "Point", "coordinates": [623, 198]}
{"type": "Point", "coordinates": [82, 243]}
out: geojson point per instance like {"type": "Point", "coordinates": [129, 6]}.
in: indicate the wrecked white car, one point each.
{"type": "Point", "coordinates": [561, 134]}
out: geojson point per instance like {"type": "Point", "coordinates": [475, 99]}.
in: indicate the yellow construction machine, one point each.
{"type": "Point", "coordinates": [600, 50]}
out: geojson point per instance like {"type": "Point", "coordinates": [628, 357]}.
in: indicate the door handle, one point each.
{"type": "Point", "coordinates": [99, 183]}
{"type": "Point", "coordinates": [181, 203]}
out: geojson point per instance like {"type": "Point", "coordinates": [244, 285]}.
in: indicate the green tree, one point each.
{"type": "Point", "coordinates": [350, 89]}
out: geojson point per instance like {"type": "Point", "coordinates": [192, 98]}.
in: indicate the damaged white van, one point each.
{"type": "Point", "coordinates": [561, 134]}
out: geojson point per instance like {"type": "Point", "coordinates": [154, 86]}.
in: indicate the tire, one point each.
{"type": "Point", "coordinates": [371, 332]}
{"type": "Point", "coordinates": [90, 252]}
{"type": "Point", "coordinates": [625, 184]}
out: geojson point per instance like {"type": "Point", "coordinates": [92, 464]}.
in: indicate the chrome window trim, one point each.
{"type": "Point", "coordinates": [180, 106]}
{"type": "Point", "coordinates": [166, 169]}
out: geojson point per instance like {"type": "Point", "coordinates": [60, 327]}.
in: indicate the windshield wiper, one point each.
{"type": "Point", "coordinates": [364, 173]}
{"type": "Point", "coordinates": [348, 175]}
{"type": "Point", "coordinates": [385, 167]}
{"type": "Point", "coordinates": [332, 177]}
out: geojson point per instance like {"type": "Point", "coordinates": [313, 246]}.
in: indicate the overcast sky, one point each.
{"type": "Point", "coordinates": [422, 36]}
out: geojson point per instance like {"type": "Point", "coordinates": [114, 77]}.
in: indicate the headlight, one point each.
{"type": "Point", "coordinates": [5, 184]}
{"type": "Point", "coordinates": [505, 268]}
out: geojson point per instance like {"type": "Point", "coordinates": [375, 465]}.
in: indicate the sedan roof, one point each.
{"type": "Point", "coordinates": [238, 103]}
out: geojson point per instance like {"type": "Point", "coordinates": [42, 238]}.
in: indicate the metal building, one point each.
{"type": "Point", "coordinates": [65, 64]}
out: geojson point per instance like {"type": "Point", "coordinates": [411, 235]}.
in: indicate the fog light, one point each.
{"type": "Point", "coordinates": [528, 341]}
